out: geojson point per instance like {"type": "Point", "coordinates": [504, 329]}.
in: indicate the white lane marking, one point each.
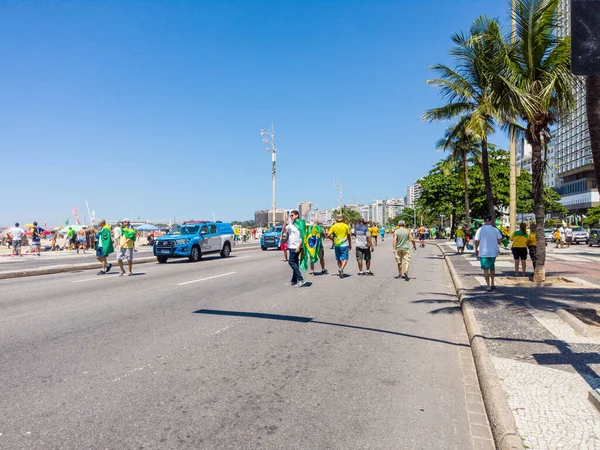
{"type": "Point", "coordinates": [207, 278]}
{"type": "Point", "coordinates": [90, 279]}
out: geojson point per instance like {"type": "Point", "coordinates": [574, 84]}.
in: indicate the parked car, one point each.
{"type": "Point", "coordinates": [193, 239]}
{"type": "Point", "coordinates": [594, 237]}
{"type": "Point", "coordinates": [548, 233]}
{"type": "Point", "coordinates": [580, 235]}
{"type": "Point", "coordinates": [271, 238]}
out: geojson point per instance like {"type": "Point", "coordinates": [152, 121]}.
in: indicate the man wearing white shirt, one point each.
{"type": "Point", "coordinates": [487, 240]}
{"type": "Point", "coordinates": [294, 248]}
{"type": "Point", "coordinates": [17, 238]}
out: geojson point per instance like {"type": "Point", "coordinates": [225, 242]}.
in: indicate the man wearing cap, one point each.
{"type": "Point", "coordinates": [126, 244]}
{"type": "Point", "coordinates": [400, 248]}
{"type": "Point", "coordinates": [339, 232]}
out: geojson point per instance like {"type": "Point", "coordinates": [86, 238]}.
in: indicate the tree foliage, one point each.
{"type": "Point", "coordinates": [350, 216]}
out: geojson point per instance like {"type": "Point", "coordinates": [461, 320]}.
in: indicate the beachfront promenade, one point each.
{"type": "Point", "coordinates": [221, 354]}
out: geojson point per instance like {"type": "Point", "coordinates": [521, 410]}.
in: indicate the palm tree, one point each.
{"type": "Point", "coordinates": [472, 87]}
{"type": "Point", "coordinates": [463, 147]}
{"type": "Point", "coordinates": [538, 83]}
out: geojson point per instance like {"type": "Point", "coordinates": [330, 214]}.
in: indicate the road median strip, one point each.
{"type": "Point", "coordinates": [77, 267]}
{"type": "Point", "coordinates": [500, 416]}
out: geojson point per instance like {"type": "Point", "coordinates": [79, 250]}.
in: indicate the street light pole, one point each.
{"type": "Point", "coordinates": [273, 149]}
{"type": "Point", "coordinates": [338, 186]}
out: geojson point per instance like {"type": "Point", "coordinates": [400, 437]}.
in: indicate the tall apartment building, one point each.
{"type": "Point", "coordinates": [550, 169]}
{"type": "Point", "coordinates": [577, 183]}
{"type": "Point", "coordinates": [304, 208]}
{"type": "Point", "coordinates": [413, 193]}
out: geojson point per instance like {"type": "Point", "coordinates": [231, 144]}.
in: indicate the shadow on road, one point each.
{"type": "Point", "coordinates": [302, 319]}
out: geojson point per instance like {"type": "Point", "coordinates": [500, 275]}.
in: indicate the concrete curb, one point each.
{"type": "Point", "coordinates": [499, 414]}
{"type": "Point", "coordinates": [48, 270]}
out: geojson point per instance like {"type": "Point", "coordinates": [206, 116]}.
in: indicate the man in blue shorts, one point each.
{"type": "Point", "coordinates": [487, 240]}
{"type": "Point", "coordinates": [339, 232]}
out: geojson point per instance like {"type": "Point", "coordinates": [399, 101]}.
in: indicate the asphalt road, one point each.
{"type": "Point", "coordinates": [221, 354]}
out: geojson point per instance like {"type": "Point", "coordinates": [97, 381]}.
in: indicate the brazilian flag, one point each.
{"type": "Point", "coordinates": [312, 243]}
{"type": "Point", "coordinates": [301, 225]}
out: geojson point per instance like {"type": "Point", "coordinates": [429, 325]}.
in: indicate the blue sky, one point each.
{"type": "Point", "coordinates": [154, 108]}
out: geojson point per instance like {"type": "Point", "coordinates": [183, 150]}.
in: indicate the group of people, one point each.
{"type": "Point", "coordinates": [341, 236]}
{"type": "Point", "coordinates": [562, 236]}
{"type": "Point", "coordinates": [488, 239]}
{"type": "Point", "coordinates": [123, 237]}
{"type": "Point", "coordinates": [16, 238]}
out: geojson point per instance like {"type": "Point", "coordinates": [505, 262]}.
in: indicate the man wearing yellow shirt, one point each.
{"type": "Point", "coordinates": [374, 233]}
{"type": "Point", "coordinates": [127, 241]}
{"type": "Point", "coordinates": [460, 240]}
{"type": "Point", "coordinates": [339, 232]}
{"type": "Point", "coordinates": [532, 244]}
{"type": "Point", "coordinates": [519, 248]}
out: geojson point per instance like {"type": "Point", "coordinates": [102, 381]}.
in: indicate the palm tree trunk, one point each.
{"type": "Point", "coordinates": [466, 180]}
{"type": "Point", "coordinates": [592, 88]}
{"type": "Point", "coordinates": [487, 181]}
{"type": "Point", "coordinates": [537, 184]}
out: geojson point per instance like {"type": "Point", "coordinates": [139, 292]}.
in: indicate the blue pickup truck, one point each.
{"type": "Point", "coordinates": [271, 238]}
{"type": "Point", "coordinates": [193, 239]}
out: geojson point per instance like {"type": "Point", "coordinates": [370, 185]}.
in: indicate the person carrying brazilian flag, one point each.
{"type": "Point", "coordinates": [313, 246]}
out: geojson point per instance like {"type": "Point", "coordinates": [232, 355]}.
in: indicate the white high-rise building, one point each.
{"type": "Point", "coordinates": [412, 194]}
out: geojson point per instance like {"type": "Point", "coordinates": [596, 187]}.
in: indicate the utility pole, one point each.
{"type": "Point", "coordinates": [338, 186]}
{"type": "Point", "coordinates": [270, 139]}
{"type": "Point", "coordinates": [513, 145]}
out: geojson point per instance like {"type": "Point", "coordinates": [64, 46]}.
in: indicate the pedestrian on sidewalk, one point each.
{"type": "Point", "coordinates": [53, 241]}
{"type": "Point", "coordinates": [294, 242]}
{"type": "Point", "coordinates": [364, 247]}
{"type": "Point", "coordinates": [81, 242]}
{"type": "Point", "coordinates": [532, 244]}
{"type": "Point", "coordinates": [321, 235]}
{"type": "Point", "coordinates": [126, 244]}
{"type": "Point", "coordinates": [487, 241]}
{"type": "Point", "coordinates": [519, 248]}
{"type": "Point", "coordinates": [401, 249]}
{"type": "Point", "coordinates": [339, 232]}
{"type": "Point", "coordinates": [17, 234]}
{"type": "Point", "coordinates": [36, 237]}
{"type": "Point", "coordinates": [72, 238]}
{"type": "Point", "coordinates": [460, 240]}
{"type": "Point", "coordinates": [104, 247]}
{"type": "Point", "coordinates": [563, 238]}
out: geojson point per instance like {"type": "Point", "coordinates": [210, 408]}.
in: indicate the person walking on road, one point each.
{"type": "Point", "coordinates": [104, 247]}
{"type": "Point", "coordinates": [339, 232]}
{"type": "Point", "coordinates": [519, 248]}
{"type": "Point", "coordinates": [36, 236]}
{"type": "Point", "coordinates": [569, 235]}
{"type": "Point", "coordinates": [321, 249]}
{"type": "Point", "coordinates": [563, 238]}
{"type": "Point", "coordinates": [294, 242]}
{"type": "Point", "coordinates": [532, 244]}
{"type": "Point", "coordinates": [487, 241]}
{"type": "Point", "coordinates": [17, 234]}
{"type": "Point", "coordinates": [401, 249]}
{"type": "Point", "coordinates": [126, 245]}
{"type": "Point", "coordinates": [364, 247]}
{"type": "Point", "coordinates": [382, 233]}
{"type": "Point", "coordinates": [374, 233]}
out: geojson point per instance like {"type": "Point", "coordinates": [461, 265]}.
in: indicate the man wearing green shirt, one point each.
{"type": "Point", "coordinates": [400, 246]}
{"type": "Point", "coordinates": [104, 246]}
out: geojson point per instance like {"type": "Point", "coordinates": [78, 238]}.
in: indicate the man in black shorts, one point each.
{"type": "Point", "coordinates": [364, 247]}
